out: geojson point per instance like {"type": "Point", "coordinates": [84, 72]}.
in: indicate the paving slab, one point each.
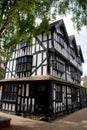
{"type": "Point", "coordinates": [74, 121]}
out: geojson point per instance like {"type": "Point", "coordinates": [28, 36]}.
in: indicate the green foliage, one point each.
{"type": "Point", "coordinates": [78, 9]}
{"type": "Point", "coordinates": [2, 73]}
{"type": "Point", "coordinates": [18, 18]}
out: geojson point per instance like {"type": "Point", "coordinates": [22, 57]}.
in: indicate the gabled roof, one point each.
{"type": "Point", "coordinates": [61, 28]}
{"type": "Point", "coordinates": [80, 53]}
{"type": "Point", "coordinates": [73, 42]}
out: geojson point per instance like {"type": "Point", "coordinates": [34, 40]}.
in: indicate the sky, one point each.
{"type": "Point", "coordinates": [81, 39]}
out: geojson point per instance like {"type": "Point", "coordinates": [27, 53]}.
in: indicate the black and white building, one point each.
{"type": "Point", "coordinates": [44, 78]}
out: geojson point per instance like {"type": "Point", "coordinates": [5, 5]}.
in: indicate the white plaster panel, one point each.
{"type": "Point", "coordinates": [54, 94]}
{"type": "Point", "coordinates": [44, 55]}
{"type": "Point", "coordinates": [39, 71]}
{"type": "Point", "coordinates": [6, 75]}
{"type": "Point", "coordinates": [34, 60]}
{"type": "Point", "coordinates": [45, 44]}
{"type": "Point", "coordinates": [39, 59]}
{"type": "Point", "coordinates": [50, 44]}
{"type": "Point", "coordinates": [9, 107]}
{"type": "Point", "coordinates": [44, 37]}
{"type": "Point", "coordinates": [27, 89]}
{"type": "Point", "coordinates": [6, 106]}
{"type": "Point", "coordinates": [10, 65]}
{"type": "Point", "coordinates": [33, 74]}
{"type": "Point", "coordinates": [9, 75]}
{"type": "Point", "coordinates": [14, 65]}
{"type": "Point", "coordinates": [41, 48]}
{"type": "Point", "coordinates": [13, 107]}
{"type": "Point", "coordinates": [33, 105]}
{"type": "Point", "coordinates": [49, 34]}
{"type": "Point", "coordinates": [37, 47]}
{"type": "Point", "coordinates": [44, 70]}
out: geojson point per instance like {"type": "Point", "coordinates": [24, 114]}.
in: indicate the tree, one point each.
{"type": "Point", "coordinates": [18, 19]}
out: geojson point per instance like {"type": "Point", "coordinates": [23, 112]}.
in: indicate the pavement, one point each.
{"type": "Point", "coordinates": [74, 121]}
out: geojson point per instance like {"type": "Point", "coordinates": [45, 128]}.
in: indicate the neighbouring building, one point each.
{"type": "Point", "coordinates": [45, 77]}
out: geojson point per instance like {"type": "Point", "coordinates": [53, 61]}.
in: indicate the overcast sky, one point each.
{"type": "Point", "coordinates": [81, 39]}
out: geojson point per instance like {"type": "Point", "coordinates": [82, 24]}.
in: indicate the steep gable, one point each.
{"type": "Point", "coordinates": [61, 29]}
{"type": "Point", "coordinates": [73, 44]}
{"type": "Point", "coordinates": [80, 53]}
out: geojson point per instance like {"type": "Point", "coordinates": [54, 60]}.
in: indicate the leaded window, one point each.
{"type": "Point", "coordinates": [72, 52]}
{"type": "Point", "coordinates": [60, 65]}
{"type": "Point", "coordinates": [58, 93]}
{"type": "Point", "coordinates": [23, 44]}
{"type": "Point", "coordinates": [23, 64]}
{"type": "Point", "coordinates": [10, 92]}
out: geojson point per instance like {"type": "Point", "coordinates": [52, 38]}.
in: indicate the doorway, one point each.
{"type": "Point", "coordinates": [41, 99]}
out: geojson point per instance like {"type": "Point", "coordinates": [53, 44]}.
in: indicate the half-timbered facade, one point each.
{"type": "Point", "coordinates": [44, 78]}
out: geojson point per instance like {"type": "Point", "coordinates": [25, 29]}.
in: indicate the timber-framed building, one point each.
{"type": "Point", "coordinates": [45, 77]}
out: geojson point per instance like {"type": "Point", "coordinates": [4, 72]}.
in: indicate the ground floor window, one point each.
{"type": "Point", "coordinates": [10, 92]}
{"type": "Point", "coordinates": [58, 93]}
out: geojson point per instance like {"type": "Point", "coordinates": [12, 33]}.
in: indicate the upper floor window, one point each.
{"type": "Point", "coordinates": [60, 40]}
{"type": "Point", "coordinates": [60, 65]}
{"type": "Point", "coordinates": [23, 63]}
{"type": "Point", "coordinates": [23, 44]}
{"type": "Point", "coordinates": [72, 52]}
{"type": "Point", "coordinates": [79, 60]}
{"type": "Point", "coordinates": [57, 63]}
{"type": "Point", "coordinates": [78, 76]}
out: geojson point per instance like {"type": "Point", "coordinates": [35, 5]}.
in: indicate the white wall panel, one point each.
{"type": "Point", "coordinates": [39, 71]}
{"type": "Point", "coordinates": [39, 59]}
{"type": "Point", "coordinates": [10, 65]}
{"type": "Point", "coordinates": [44, 37]}
{"type": "Point", "coordinates": [13, 107]}
{"type": "Point", "coordinates": [37, 47]}
{"type": "Point", "coordinates": [9, 107]}
{"type": "Point", "coordinates": [33, 48]}
{"type": "Point", "coordinates": [14, 65]}
{"type": "Point", "coordinates": [9, 75]}
{"type": "Point", "coordinates": [44, 70]}
{"type": "Point", "coordinates": [33, 74]}
{"type": "Point", "coordinates": [34, 60]}
{"type": "Point", "coordinates": [49, 34]}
